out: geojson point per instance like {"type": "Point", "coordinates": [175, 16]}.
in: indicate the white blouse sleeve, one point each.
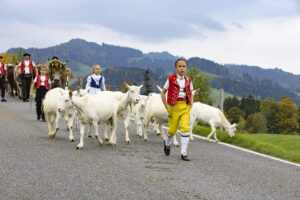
{"type": "Point", "coordinates": [88, 82]}
{"type": "Point", "coordinates": [103, 88]}
{"type": "Point", "coordinates": [166, 86]}
{"type": "Point", "coordinates": [191, 86]}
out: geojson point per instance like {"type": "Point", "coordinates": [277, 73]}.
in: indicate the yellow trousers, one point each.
{"type": "Point", "coordinates": [179, 114]}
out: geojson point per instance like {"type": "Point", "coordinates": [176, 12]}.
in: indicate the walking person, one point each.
{"type": "Point", "coordinates": [3, 78]}
{"type": "Point", "coordinates": [95, 82]}
{"type": "Point", "coordinates": [27, 67]}
{"type": "Point", "coordinates": [42, 84]}
{"type": "Point", "coordinates": [178, 104]}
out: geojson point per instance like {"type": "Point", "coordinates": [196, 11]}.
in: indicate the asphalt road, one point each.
{"type": "Point", "coordinates": [34, 166]}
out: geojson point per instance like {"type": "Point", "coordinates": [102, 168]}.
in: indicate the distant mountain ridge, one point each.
{"type": "Point", "coordinates": [82, 55]}
{"type": "Point", "coordinates": [285, 79]}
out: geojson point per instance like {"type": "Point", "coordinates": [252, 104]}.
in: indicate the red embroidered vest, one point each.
{"type": "Point", "coordinates": [23, 67]}
{"type": "Point", "coordinates": [2, 69]}
{"type": "Point", "coordinates": [39, 82]}
{"type": "Point", "coordinates": [174, 89]}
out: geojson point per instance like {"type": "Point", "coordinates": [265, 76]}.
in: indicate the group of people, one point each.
{"type": "Point", "coordinates": [178, 102]}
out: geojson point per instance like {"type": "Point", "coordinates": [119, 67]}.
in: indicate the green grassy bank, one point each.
{"type": "Point", "coordinates": [286, 147]}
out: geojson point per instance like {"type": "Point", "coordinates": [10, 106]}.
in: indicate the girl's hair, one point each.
{"type": "Point", "coordinates": [43, 67]}
{"type": "Point", "coordinates": [95, 67]}
{"type": "Point", "coordinates": [180, 59]}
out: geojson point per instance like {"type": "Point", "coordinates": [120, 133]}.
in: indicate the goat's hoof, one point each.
{"type": "Point", "coordinates": [217, 141]}
{"type": "Point", "coordinates": [157, 133]}
{"type": "Point", "coordinates": [101, 143]}
{"type": "Point", "coordinates": [176, 145]}
{"type": "Point", "coordinates": [89, 136]}
{"type": "Point", "coordinates": [72, 140]}
{"type": "Point", "coordinates": [79, 147]}
{"type": "Point", "coordinates": [145, 140]}
{"type": "Point", "coordinates": [140, 136]}
{"type": "Point", "coordinates": [106, 139]}
{"type": "Point", "coordinates": [128, 141]}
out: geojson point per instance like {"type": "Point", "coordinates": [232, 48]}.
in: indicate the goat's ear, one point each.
{"type": "Point", "coordinates": [126, 85]}
{"type": "Point", "coordinates": [70, 94]}
{"type": "Point", "coordinates": [70, 87]}
{"type": "Point", "coordinates": [78, 89]}
{"type": "Point", "coordinates": [234, 125]}
{"type": "Point", "coordinates": [141, 86]}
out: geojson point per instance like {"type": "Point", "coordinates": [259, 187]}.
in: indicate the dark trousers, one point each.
{"type": "Point", "coordinates": [40, 95]}
{"type": "Point", "coordinates": [26, 81]}
{"type": "Point", "coordinates": [2, 85]}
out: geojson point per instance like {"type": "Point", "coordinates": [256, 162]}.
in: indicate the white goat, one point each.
{"type": "Point", "coordinates": [155, 111]}
{"type": "Point", "coordinates": [210, 115]}
{"type": "Point", "coordinates": [124, 100]}
{"type": "Point", "coordinates": [138, 113]}
{"type": "Point", "coordinates": [50, 104]}
{"type": "Point", "coordinates": [93, 110]}
{"type": "Point", "coordinates": [79, 93]}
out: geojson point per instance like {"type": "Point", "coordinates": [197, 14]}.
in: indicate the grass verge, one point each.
{"type": "Point", "coordinates": [286, 147]}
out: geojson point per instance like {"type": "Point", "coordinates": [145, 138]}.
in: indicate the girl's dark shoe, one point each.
{"type": "Point", "coordinates": [184, 157]}
{"type": "Point", "coordinates": [167, 150]}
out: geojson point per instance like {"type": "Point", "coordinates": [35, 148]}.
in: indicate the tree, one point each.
{"type": "Point", "coordinates": [271, 111]}
{"type": "Point", "coordinates": [256, 123]}
{"type": "Point", "coordinates": [298, 115]}
{"type": "Point", "coordinates": [230, 102]}
{"type": "Point", "coordinates": [241, 125]}
{"type": "Point", "coordinates": [249, 105]}
{"type": "Point", "coordinates": [288, 120]}
{"type": "Point", "coordinates": [19, 55]}
{"type": "Point", "coordinates": [234, 114]}
{"type": "Point", "coordinates": [201, 82]}
{"type": "Point", "coordinates": [147, 83]}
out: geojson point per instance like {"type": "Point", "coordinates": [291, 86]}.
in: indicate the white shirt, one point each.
{"type": "Point", "coordinates": [96, 78]}
{"type": "Point", "coordinates": [27, 70]}
{"type": "Point", "coordinates": [181, 85]}
{"type": "Point", "coordinates": [43, 78]}
{"type": "Point", "coordinates": [5, 68]}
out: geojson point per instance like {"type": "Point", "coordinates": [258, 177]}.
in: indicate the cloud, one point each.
{"type": "Point", "coordinates": [238, 25]}
{"type": "Point", "coordinates": [256, 32]}
{"type": "Point", "coordinates": [152, 21]}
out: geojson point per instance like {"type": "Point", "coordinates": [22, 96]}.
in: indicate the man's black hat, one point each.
{"type": "Point", "coordinates": [1, 56]}
{"type": "Point", "coordinates": [54, 57]}
{"type": "Point", "coordinates": [26, 54]}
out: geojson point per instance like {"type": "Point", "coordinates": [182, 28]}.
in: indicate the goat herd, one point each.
{"type": "Point", "coordinates": [105, 107]}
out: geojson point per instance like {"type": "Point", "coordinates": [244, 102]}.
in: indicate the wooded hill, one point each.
{"type": "Point", "coordinates": [128, 64]}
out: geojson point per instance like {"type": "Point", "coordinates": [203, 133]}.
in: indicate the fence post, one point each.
{"type": "Point", "coordinates": [221, 99]}
{"type": "Point", "coordinates": [79, 81]}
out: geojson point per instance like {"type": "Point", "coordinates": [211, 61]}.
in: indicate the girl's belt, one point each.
{"type": "Point", "coordinates": [181, 99]}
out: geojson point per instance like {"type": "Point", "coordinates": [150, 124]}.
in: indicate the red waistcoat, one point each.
{"type": "Point", "coordinates": [174, 88]}
{"type": "Point", "coordinates": [2, 69]}
{"type": "Point", "coordinates": [23, 67]}
{"type": "Point", "coordinates": [39, 81]}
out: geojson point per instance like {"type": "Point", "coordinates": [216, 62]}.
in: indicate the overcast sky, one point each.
{"type": "Point", "coordinates": [265, 33]}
